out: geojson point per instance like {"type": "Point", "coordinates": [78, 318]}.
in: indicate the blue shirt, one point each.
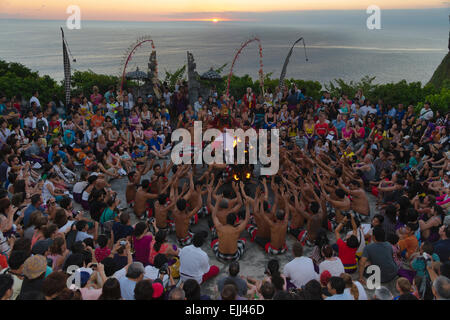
{"type": "Point", "coordinates": [127, 288]}
{"type": "Point", "coordinates": [400, 115]}
{"type": "Point", "coordinates": [28, 212]}
{"type": "Point", "coordinates": [392, 112]}
{"type": "Point", "coordinates": [343, 296]}
{"type": "Point", "coordinates": [155, 143]}
{"type": "Point", "coordinates": [62, 154]}
{"type": "Point", "coordinates": [339, 125]}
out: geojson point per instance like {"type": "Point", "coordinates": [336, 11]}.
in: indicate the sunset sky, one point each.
{"type": "Point", "coordinates": [148, 10]}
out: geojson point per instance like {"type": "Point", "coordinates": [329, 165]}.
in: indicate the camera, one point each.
{"type": "Point", "coordinates": [123, 243]}
{"type": "Point", "coordinates": [164, 268]}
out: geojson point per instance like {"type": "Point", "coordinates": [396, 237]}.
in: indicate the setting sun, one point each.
{"type": "Point", "coordinates": [215, 20]}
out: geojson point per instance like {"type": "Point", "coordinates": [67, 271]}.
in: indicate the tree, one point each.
{"type": "Point", "coordinates": [16, 79]}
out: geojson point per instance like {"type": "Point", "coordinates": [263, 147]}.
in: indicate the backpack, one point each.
{"type": "Point", "coordinates": [41, 126]}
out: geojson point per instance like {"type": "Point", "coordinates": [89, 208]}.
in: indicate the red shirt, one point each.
{"type": "Point", "coordinates": [3, 262]}
{"type": "Point", "coordinates": [346, 254]}
{"type": "Point", "coordinates": [321, 128]}
{"type": "Point", "coordinates": [102, 253]}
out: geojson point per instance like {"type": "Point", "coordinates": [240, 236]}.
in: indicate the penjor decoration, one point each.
{"type": "Point", "coordinates": [286, 62]}
{"type": "Point", "coordinates": [129, 55]}
{"type": "Point", "coordinates": [261, 73]}
{"type": "Point", "coordinates": [67, 71]}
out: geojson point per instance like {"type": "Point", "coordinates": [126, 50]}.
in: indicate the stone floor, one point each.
{"type": "Point", "coordinates": [254, 260]}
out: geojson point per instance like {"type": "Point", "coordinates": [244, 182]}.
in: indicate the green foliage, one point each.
{"type": "Point", "coordinates": [391, 93]}
{"type": "Point", "coordinates": [351, 88]}
{"type": "Point", "coordinates": [442, 73]}
{"type": "Point", "coordinates": [84, 81]}
{"type": "Point", "coordinates": [16, 79]}
{"type": "Point", "coordinates": [309, 88]}
{"type": "Point", "coordinates": [439, 101]}
{"type": "Point", "coordinates": [239, 85]}
{"type": "Point", "coordinates": [172, 78]}
{"type": "Point", "coordinates": [220, 70]}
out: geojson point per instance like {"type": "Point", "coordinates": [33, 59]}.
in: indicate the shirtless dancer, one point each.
{"type": "Point", "coordinates": [258, 228]}
{"type": "Point", "coordinates": [134, 180]}
{"type": "Point", "coordinates": [359, 202]}
{"type": "Point", "coordinates": [339, 201]}
{"type": "Point", "coordinates": [229, 246]}
{"type": "Point", "coordinates": [278, 228]}
{"type": "Point", "coordinates": [225, 207]}
{"type": "Point", "coordinates": [165, 204]}
{"type": "Point", "coordinates": [315, 218]}
{"type": "Point", "coordinates": [182, 216]}
{"type": "Point", "coordinates": [141, 206]}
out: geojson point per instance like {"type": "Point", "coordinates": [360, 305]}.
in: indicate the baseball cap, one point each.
{"type": "Point", "coordinates": [84, 278]}
{"type": "Point", "coordinates": [34, 266]}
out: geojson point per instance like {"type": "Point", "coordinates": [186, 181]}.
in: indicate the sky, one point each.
{"type": "Point", "coordinates": [190, 10]}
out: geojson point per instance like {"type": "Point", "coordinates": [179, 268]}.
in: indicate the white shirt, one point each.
{"type": "Point", "coordinates": [67, 226]}
{"type": "Point", "coordinates": [364, 110]}
{"type": "Point", "coordinates": [426, 114]}
{"type": "Point", "coordinates": [194, 263]}
{"type": "Point", "coordinates": [35, 120]}
{"type": "Point", "coordinates": [198, 106]}
{"type": "Point", "coordinates": [79, 186]}
{"type": "Point", "coordinates": [360, 237]}
{"type": "Point", "coordinates": [335, 267]}
{"type": "Point", "coordinates": [34, 99]}
{"type": "Point", "coordinates": [372, 110]}
{"type": "Point", "coordinates": [362, 292]}
{"type": "Point", "coordinates": [167, 98]}
{"type": "Point", "coordinates": [30, 122]}
{"type": "Point", "coordinates": [300, 271]}
{"type": "Point", "coordinates": [46, 195]}
{"type": "Point", "coordinates": [152, 273]}
{"type": "Point", "coordinates": [81, 235]}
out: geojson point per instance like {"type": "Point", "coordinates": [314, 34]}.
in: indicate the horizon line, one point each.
{"type": "Point", "coordinates": [221, 19]}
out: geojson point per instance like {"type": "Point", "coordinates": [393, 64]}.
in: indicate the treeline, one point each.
{"type": "Point", "coordinates": [16, 79]}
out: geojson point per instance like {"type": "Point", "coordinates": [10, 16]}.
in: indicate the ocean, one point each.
{"type": "Point", "coordinates": [410, 45]}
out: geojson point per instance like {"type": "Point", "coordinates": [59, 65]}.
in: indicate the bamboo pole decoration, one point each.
{"type": "Point", "coordinates": [261, 72]}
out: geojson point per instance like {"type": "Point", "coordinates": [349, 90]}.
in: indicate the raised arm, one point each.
{"type": "Point", "coordinates": [244, 223]}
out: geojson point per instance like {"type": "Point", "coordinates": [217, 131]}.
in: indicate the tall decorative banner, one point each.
{"type": "Point", "coordinates": [129, 55]}
{"type": "Point", "coordinates": [261, 73]}
{"type": "Point", "coordinates": [67, 74]}
{"type": "Point", "coordinates": [286, 62]}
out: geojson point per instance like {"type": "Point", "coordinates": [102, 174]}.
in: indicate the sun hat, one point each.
{"type": "Point", "coordinates": [34, 266]}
